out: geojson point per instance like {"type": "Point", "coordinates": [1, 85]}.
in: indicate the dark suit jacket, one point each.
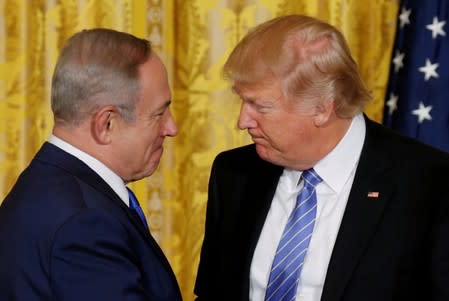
{"type": "Point", "coordinates": [66, 235]}
{"type": "Point", "coordinates": [393, 247]}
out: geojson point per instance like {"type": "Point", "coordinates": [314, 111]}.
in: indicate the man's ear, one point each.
{"type": "Point", "coordinates": [324, 111]}
{"type": "Point", "coordinates": [103, 123]}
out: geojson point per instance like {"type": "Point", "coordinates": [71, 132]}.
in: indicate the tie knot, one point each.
{"type": "Point", "coordinates": [134, 205]}
{"type": "Point", "coordinates": [133, 202]}
{"type": "Point", "coordinates": [311, 178]}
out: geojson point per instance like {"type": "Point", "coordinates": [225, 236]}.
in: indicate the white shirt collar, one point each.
{"type": "Point", "coordinates": [336, 167]}
{"type": "Point", "coordinates": [110, 177]}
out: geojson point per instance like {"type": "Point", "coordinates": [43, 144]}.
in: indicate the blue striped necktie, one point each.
{"type": "Point", "coordinates": [134, 205]}
{"type": "Point", "coordinates": [291, 251]}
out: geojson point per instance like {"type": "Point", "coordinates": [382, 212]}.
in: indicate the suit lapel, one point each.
{"type": "Point", "coordinates": [260, 189]}
{"type": "Point", "coordinates": [149, 238]}
{"type": "Point", "coordinates": [55, 156]}
{"type": "Point", "coordinates": [368, 198]}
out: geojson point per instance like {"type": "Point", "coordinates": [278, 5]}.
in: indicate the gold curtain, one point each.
{"type": "Point", "coordinates": [194, 38]}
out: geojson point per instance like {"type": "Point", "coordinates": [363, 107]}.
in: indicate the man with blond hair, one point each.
{"type": "Point", "coordinates": [326, 204]}
{"type": "Point", "coordinates": [70, 227]}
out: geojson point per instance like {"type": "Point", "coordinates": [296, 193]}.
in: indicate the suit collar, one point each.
{"type": "Point", "coordinates": [53, 155]}
{"type": "Point", "coordinates": [109, 176]}
{"type": "Point", "coordinates": [257, 196]}
{"type": "Point", "coordinates": [370, 193]}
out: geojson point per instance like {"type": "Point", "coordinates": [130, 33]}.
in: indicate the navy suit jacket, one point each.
{"type": "Point", "coordinates": [388, 248]}
{"type": "Point", "coordinates": [66, 235]}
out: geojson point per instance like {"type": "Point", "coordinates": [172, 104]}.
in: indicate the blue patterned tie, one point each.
{"type": "Point", "coordinates": [134, 204]}
{"type": "Point", "coordinates": [287, 264]}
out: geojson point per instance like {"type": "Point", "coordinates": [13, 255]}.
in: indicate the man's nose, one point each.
{"type": "Point", "coordinates": [245, 120]}
{"type": "Point", "coordinates": [170, 129]}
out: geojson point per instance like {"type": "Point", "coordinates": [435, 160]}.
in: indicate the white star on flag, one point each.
{"type": "Point", "coordinates": [422, 112]}
{"type": "Point", "coordinates": [392, 103]}
{"type": "Point", "coordinates": [436, 28]}
{"type": "Point", "coordinates": [416, 102]}
{"type": "Point", "coordinates": [429, 70]}
{"type": "Point", "coordinates": [398, 61]}
{"type": "Point", "coordinates": [404, 17]}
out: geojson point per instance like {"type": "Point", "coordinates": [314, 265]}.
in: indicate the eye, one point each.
{"type": "Point", "coordinates": [263, 108]}
{"type": "Point", "coordinates": [161, 110]}
{"type": "Point", "coordinates": [159, 113]}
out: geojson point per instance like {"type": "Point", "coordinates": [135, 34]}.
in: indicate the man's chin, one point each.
{"type": "Point", "coordinates": [265, 154]}
{"type": "Point", "coordinates": [262, 152]}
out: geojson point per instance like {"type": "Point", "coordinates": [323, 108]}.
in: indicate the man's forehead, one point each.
{"type": "Point", "coordinates": [257, 88]}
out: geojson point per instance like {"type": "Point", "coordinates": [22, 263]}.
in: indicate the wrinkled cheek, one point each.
{"type": "Point", "coordinates": [277, 146]}
{"type": "Point", "coordinates": [155, 155]}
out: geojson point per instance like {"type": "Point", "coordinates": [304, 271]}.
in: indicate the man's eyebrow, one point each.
{"type": "Point", "coordinates": [163, 107]}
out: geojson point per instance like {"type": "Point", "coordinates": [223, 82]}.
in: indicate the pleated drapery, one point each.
{"type": "Point", "coordinates": [193, 37]}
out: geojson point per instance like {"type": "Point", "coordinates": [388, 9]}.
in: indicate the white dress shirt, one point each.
{"type": "Point", "coordinates": [111, 178]}
{"type": "Point", "coordinates": [337, 171]}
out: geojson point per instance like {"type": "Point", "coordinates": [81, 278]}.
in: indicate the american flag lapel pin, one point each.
{"type": "Point", "coordinates": [373, 194]}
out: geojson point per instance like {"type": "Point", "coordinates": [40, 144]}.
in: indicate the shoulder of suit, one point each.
{"type": "Point", "coordinates": [403, 146]}
{"type": "Point", "coordinates": [244, 159]}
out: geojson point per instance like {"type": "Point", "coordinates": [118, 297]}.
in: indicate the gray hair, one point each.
{"type": "Point", "coordinates": [97, 67]}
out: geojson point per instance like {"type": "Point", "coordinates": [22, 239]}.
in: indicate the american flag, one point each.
{"type": "Point", "coordinates": [417, 98]}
